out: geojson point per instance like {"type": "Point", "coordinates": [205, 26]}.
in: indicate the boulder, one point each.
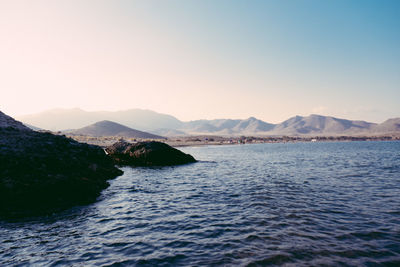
{"type": "Point", "coordinates": [147, 154]}
{"type": "Point", "coordinates": [42, 172]}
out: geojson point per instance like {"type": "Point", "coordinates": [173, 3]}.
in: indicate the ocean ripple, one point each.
{"type": "Point", "coordinates": [301, 204]}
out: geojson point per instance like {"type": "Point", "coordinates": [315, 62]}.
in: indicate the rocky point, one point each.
{"type": "Point", "coordinates": [147, 154]}
{"type": "Point", "coordinates": [42, 172]}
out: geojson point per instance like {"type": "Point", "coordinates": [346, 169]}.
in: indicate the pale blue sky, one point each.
{"type": "Point", "coordinates": [203, 59]}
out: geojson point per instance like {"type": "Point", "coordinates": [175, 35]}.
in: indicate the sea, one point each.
{"type": "Point", "coordinates": [275, 204]}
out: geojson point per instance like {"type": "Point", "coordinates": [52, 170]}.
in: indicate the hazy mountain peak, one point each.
{"type": "Point", "coordinates": [388, 126]}
{"type": "Point", "coordinates": [392, 120]}
{"type": "Point", "coordinates": [315, 124]}
{"type": "Point", "coordinates": [107, 123]}
{"type": "Point", "coordinates": [110, 128]}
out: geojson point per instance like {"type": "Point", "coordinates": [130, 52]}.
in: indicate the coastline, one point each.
{"type": "Point", "coordinates": [204, 140]}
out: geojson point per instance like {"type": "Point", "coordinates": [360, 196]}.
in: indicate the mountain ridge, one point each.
{"type": "Point", "coordinates": [167, 125]}
{"type": "Point", "coordinates": [318, 124]}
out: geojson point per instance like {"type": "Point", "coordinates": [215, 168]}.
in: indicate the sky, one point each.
{"type": "Point", "coordinates": [203, 59]}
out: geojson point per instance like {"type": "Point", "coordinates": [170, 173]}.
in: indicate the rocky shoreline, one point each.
{"type": "Point", "coordinates": [42, 173]}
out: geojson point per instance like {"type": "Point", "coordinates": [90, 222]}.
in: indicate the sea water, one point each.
{"type": "Point", "coordinates": [292, 204]}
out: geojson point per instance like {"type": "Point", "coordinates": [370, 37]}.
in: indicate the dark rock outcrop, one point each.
{"type": "Point", "coordinates": [7, 121]}
{"type": "Point", "coordinates": [42, 172]}
{"type": "Point", "coordinates": [147, 154]}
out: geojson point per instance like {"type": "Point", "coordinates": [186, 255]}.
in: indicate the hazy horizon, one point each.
{"type": "Point", "coordinates": [203, 59]}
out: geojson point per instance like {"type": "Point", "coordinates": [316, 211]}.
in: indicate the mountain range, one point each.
{"type": "Point", "coordinates": [167, 125]}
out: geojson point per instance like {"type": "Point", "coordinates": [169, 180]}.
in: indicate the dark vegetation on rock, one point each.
{"type": "Point", "coordinates": [147, 154]}
{"type": "Point", "coordinates": [42, 172]}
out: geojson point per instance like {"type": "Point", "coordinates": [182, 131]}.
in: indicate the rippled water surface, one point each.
{"type": "Point", "coordinates": [280, 204]}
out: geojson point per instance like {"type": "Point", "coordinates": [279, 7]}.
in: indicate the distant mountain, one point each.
{"type": "Point", "coordinates": [60, 119]}
{"type": "Point", "coordinates": [63, 119]}
{"type": "Point", "coordinates": [388, 126]}
{"type": "Point", "coordinates": [320, 125]}
{"type": "Point", "coordinates": [253, 125]}
{"type": "Point", "coordinates": [166, 125]}
{"type": "Point", "coordinates": [7, 121]}
{"type": "Point", "coordinates": [227, 126]}
{"type": "Point", "coordinates": [109, 128]}
{"type": "Point", "coordinates": [169, 132]}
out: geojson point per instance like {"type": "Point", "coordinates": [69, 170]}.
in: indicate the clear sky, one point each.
{"type": "Point", "coordinates": [203, 59]}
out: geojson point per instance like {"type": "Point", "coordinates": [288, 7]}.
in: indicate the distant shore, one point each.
{"type": "Point", "coordinates": [203, 140]}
